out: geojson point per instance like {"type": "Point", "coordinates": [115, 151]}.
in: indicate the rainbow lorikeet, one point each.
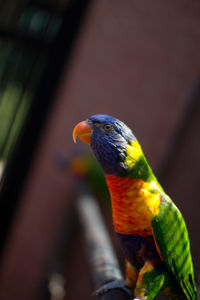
{"type": "Point", "coordinates": [149, 226]}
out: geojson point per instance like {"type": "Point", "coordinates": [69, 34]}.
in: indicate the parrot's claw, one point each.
{"type": "Point", "coordinates": [115, 284]}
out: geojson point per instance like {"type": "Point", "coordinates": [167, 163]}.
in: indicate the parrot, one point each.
{"type": "Point", "coordinates": [150, 228]}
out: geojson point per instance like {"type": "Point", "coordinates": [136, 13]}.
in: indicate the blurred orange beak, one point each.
{"type": "Point", "coordinates": [83, 131]}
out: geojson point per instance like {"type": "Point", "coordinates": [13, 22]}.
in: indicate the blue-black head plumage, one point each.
{"type": "Point", "coordinates": [108, 141]}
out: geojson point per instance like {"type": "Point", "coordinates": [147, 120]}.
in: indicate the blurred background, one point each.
{"type": "Point", "coordinates": [60, 62]}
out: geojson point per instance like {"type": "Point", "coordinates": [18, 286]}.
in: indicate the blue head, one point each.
{"type": "Point", "coordinates": [108, 140]}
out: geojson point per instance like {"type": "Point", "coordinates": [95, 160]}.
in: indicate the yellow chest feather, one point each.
{"type": "Point", "coordinates": [134, 203]}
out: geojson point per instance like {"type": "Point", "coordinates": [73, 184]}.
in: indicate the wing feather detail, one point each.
{"type": "Point", "coordinates": [171, 237]}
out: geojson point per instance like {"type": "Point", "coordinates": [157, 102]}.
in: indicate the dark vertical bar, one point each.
{"type": "Point", "coordinates": [20, 162]}
{"type": "Point", "coordinates": [180, 133]}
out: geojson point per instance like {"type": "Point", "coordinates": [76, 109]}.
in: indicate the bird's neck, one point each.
{"type": "Point", "coordinates": [138, 167]}
{"type": "Point", "coordinates": [134, 203]}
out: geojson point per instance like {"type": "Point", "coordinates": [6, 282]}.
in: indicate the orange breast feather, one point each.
{"type": "Point", "coordinates": [134, 203]}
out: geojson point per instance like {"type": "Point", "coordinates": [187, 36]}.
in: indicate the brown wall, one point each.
{"type": "Point", "coordinates": [138, 61]}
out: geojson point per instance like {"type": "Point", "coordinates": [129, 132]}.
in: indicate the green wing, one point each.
{"type": "Point", "coordinates": [171, 237]}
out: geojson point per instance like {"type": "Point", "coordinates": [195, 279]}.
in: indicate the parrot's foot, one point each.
{"type": "Point", "coordinates": [115, 284]}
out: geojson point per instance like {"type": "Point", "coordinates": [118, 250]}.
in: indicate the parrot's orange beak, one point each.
{"type": "Point", "coordinates": [83, 131]}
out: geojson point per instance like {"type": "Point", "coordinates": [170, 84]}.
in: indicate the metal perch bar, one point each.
{"type": "Point", "coordinates": [102, 259]}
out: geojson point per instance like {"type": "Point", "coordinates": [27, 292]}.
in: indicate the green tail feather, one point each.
{"type": "Point", "coordinates": [189, 288]}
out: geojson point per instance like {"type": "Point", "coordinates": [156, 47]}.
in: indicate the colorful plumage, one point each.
{"type": "Point", "coordinates": [150, 228]}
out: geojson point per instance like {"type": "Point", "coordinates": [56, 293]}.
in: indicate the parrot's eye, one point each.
{"type": "Point", "coordinates": [107, 127]}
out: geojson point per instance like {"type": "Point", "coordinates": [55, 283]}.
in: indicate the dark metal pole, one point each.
{"type": "Point", "coordinates": [102, 259]}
